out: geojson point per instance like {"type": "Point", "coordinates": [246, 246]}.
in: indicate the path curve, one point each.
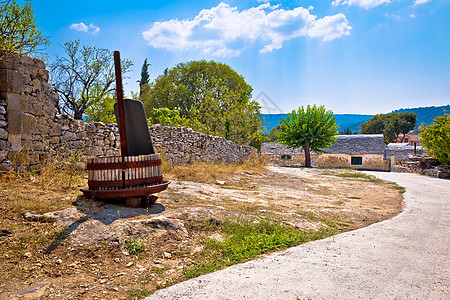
{"type": "Point", "coordinates": [407, 257]}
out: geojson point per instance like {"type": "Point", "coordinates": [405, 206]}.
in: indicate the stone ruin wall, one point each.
{"type": "Point", "coordinates": [29, 124]}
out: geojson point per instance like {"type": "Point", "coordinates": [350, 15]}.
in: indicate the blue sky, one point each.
{"type": "Point", "coordinates": [353, 56]}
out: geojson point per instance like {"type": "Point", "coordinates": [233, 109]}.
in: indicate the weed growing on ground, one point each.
{"type": "Point", "coordinates": [370, 178]}
{"type": "Point", "coordinates": [134, 246]}
{"type": "Point", "coordinates": [246, 239]}
{"type": "Point", "coordinates": [400, 189]}
{"type": "Point", "coordinates": [139, 294]}
{"type": "Point", "coordinates": [355, 175]}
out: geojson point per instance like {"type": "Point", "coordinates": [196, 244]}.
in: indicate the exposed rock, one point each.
{"type": "Point", "coordinates": [3, 154]}
{"type": "Point", "coordinates": [35, 291]}
{"type": "Point", "coordinates": [165, 223]}
{"type": "Point", "coordinates": [63, 217]}
{"type": "Point", "coordinates": [5, 166]}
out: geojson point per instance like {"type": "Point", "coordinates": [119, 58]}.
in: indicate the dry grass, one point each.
{"type": "Point", "coordinates": [210, 173]}
{"type": "Point", "coordinates": [52, 187]}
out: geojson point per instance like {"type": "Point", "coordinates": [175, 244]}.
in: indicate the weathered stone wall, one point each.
{"type": "Point", "coordinates": [422, 165]}
{"type": "Point", "coordinates": [28, 122]}
{"type": "Point", "coordinates": [183, 145]}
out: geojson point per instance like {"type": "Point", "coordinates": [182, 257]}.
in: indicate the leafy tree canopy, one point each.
{"type": "Point", "coordinates": [101, 111]}
{"type": "Point", "coordinates": [273, 134]}
{"type": "Point", "coordinates": [436, 138]}
{"type": "Point", "coordinates": [18, 28]}
{"type": "Point", "coordinates": [213, 97]}
{"type": "Point", "coordinates": [313, 129]}
{"type": "Point", "coordinates": [391, 125]}
{"type": "Point", "coordinates": [84, 77]}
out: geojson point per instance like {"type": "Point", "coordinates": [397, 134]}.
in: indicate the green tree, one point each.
{"type": "Point", "coordinates": [145, 77]}
{"type": "Point", "coordinates": [102, 110]}
{"type": "Point", "coordinates": [313, 129]}
{"type": "Point", "coordinates": [391, 125]}
{"type": "Point", "coordinates": [83, 77]}
{"type": "Point", "coordinates": [18, 28]}
{"type": "Point", "coordinates": [436, 138]}
{"type": "Point", "coordinates": [171, 117]}
{"type": "Point", "coordinates": [346, 131]}
{"type": "Point", "coordinates": [373, 125]}
{"type": "Point", "coordinates": [273, 134]}
{"type": "Point", "coordinates": [212, 94]}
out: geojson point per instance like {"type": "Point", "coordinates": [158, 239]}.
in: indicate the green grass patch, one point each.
{"type": "Point", "coordinates": [139, 294]}
{"type": "Point", "coordinates": [354, 175]}
{"type": "Point", "coordinates": [400, 189]}
{"type": "Point", "coordinates": [343, 224]}
{"type": "Point", "coordinates": [371, 178]}
{"type": "Point", "coordinates": [245, 240]}
{"type": "Point", "coordinates": [134, 246]}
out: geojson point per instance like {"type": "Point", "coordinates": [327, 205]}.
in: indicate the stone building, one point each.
{"type": "Point", "coordinates": [362, 152]}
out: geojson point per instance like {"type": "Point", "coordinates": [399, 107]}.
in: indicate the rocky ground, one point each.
{"type": "Point", "coordinates": [99, 254]}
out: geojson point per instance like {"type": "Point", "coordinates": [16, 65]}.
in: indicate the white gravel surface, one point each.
{"type": "Point", "coordinates": [407, 257]}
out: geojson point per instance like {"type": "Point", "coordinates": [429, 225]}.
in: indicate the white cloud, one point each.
{"type": "Point", "coordinates": [395, 17]}
{"type": "Point", "coordinates": [79, 27]}
{"type": "Point", "coordinates": [329, 27]}
{"type": "Point", "coordinates": [224, 31]}
{"type": "Point", "coordinates": [362, 3]}
{"type": "Point", "coordinates": [420, 2]}
{"type": "Point", "coordinates": [85, 28]}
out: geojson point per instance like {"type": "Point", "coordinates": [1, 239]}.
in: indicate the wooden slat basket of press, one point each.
{"type": "Point", "coordinates": [130, 176]}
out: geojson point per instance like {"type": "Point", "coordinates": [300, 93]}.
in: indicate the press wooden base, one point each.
{"type": "Point", "coordinates": [126, 193]}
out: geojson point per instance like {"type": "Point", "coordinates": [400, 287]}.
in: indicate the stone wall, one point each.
{"type": "Point", "coordinates": [29, 123]}
{"type": "Point", "coordinates": [422, 165]}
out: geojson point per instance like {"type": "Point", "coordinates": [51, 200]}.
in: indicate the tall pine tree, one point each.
{"type": "Point", "coordinates": [144, 75]}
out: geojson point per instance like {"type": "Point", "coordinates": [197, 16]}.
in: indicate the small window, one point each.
{"type": "Point", "coordinates": [286, 157]}
{"type": "Point", "coordinates": [356, 160]}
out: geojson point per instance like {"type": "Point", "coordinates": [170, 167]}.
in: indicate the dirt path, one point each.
{"type": "Point", "coordinates": [406, 257]}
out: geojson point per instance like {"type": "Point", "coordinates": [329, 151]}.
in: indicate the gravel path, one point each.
{"type": "Point", "coordinates": [407, 257]}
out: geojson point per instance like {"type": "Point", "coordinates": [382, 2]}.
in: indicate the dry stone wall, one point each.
{"type": "Point", "coordinates": [29, 123]}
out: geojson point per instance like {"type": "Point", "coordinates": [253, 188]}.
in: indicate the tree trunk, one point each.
{"type": "Point", "coordinates": [307, 155]}
{"type": "Point", "coordinates": [78, 115]}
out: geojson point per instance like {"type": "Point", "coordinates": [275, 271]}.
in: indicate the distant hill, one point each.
{"type": "Point", "coordinates": [352, 121]}
{"type": "Point", "coordinates": [425, 114]}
